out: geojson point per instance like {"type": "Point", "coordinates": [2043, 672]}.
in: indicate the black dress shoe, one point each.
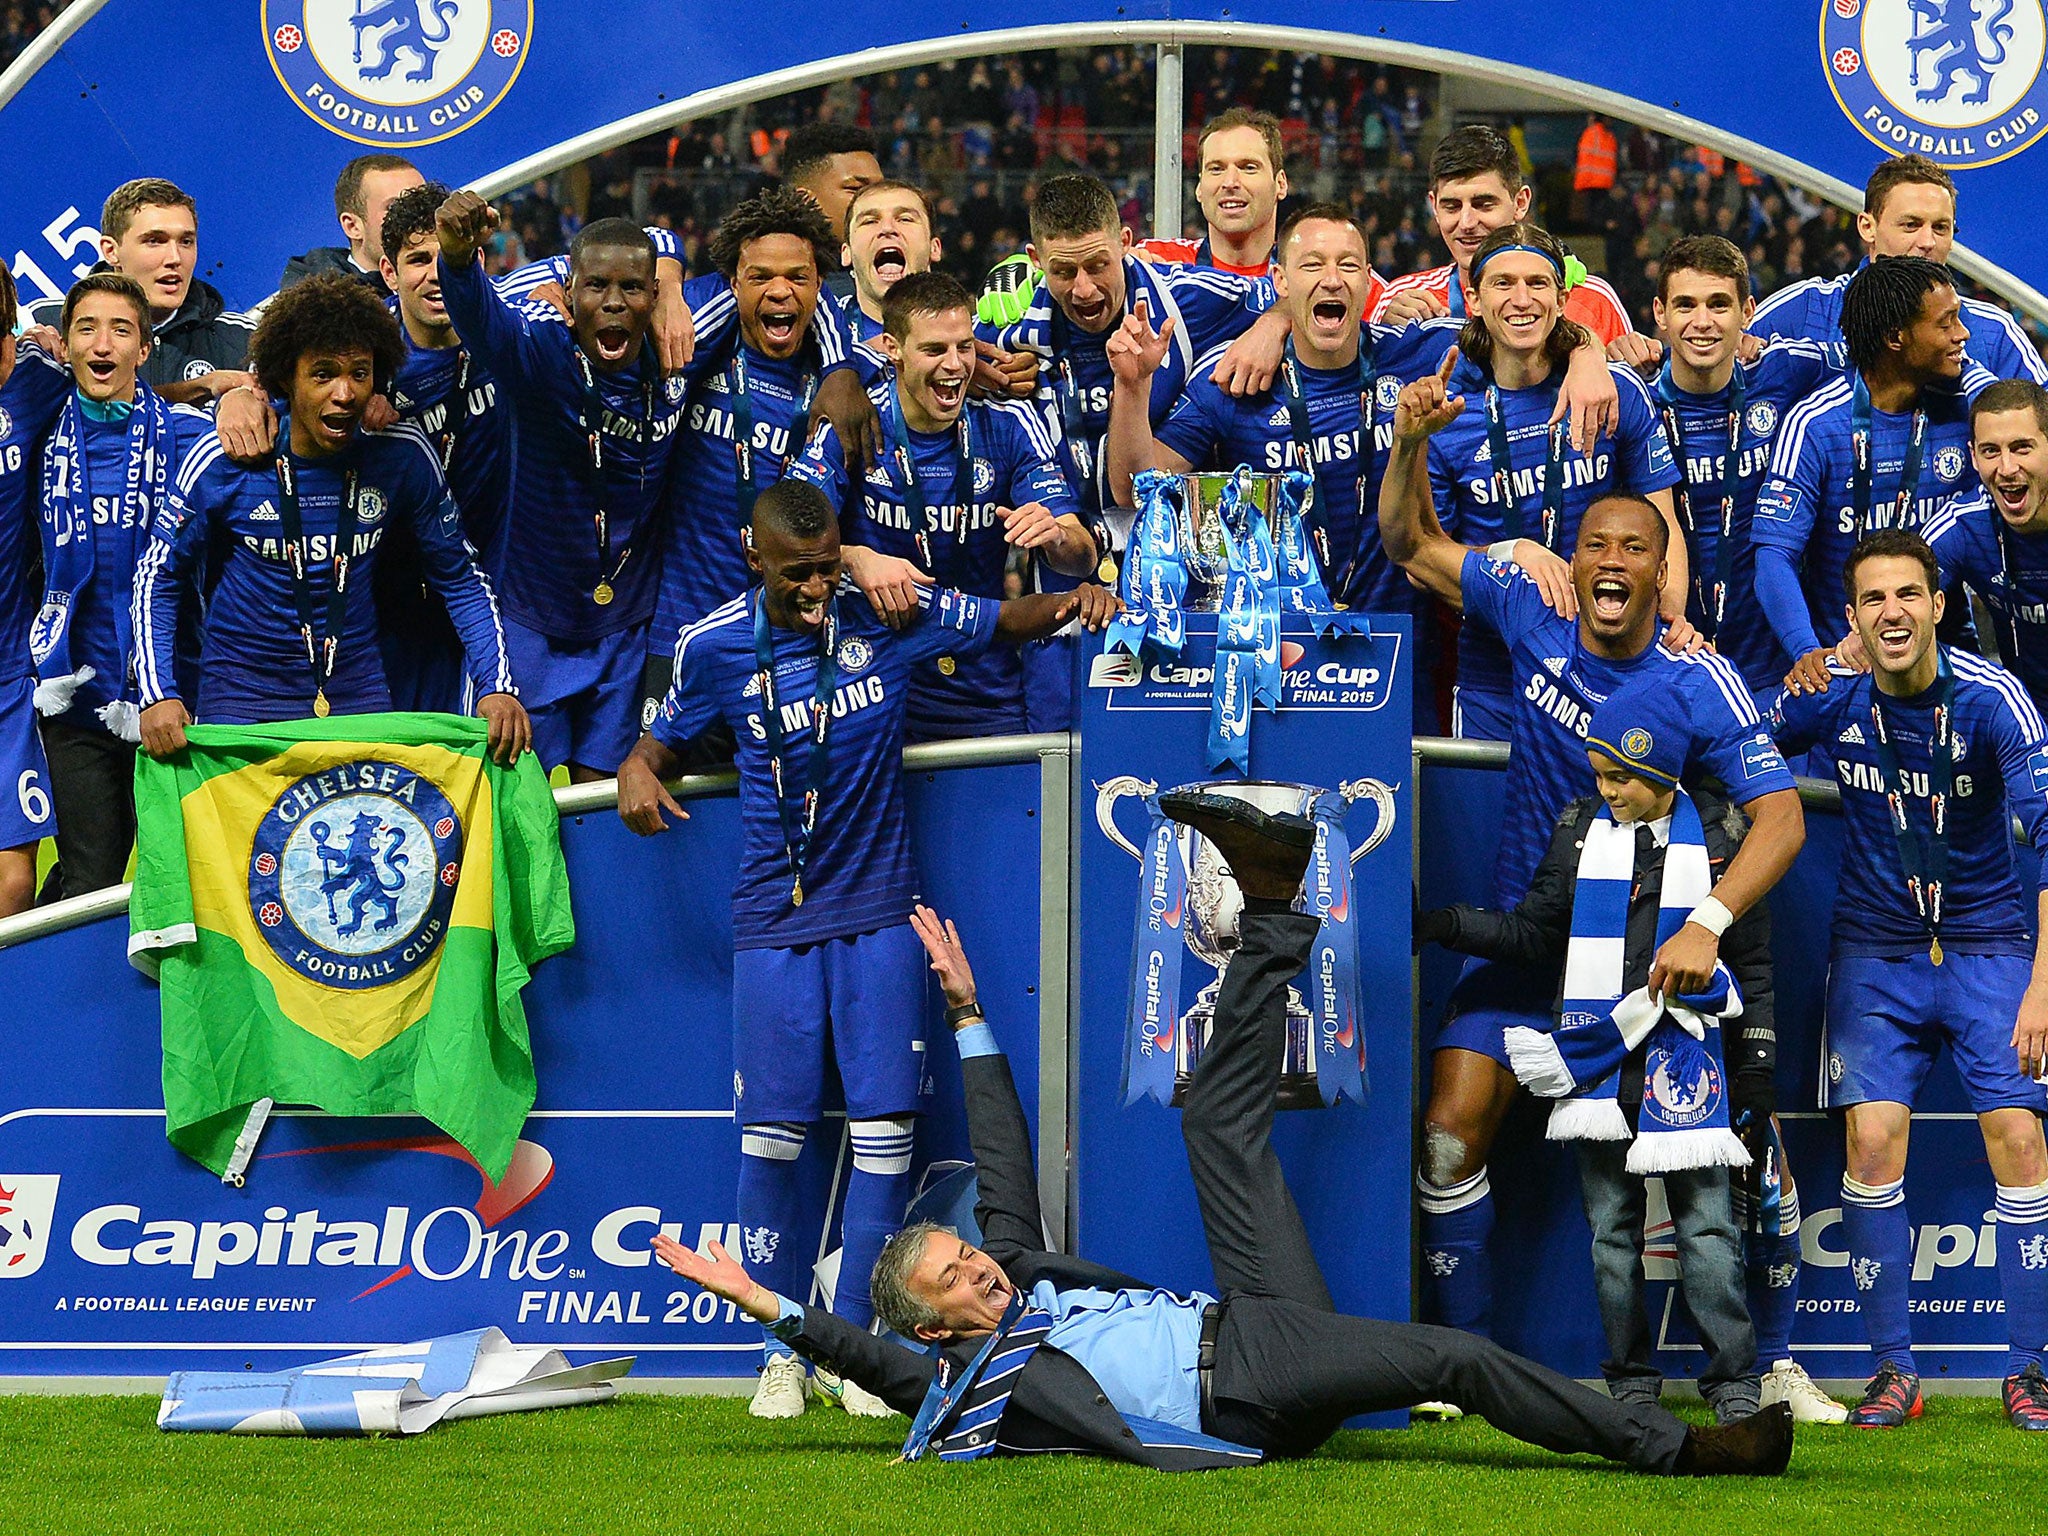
{"type": "Point", "coordinates": [1267, 851]}
{"type": "Point", "coordinates": [1758, 1446]}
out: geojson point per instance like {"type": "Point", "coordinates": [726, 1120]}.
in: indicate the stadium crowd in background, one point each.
{"type": "Point", "coordinates": [1585, 488]}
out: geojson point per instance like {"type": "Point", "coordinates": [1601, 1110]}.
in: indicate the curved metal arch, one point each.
{"type": "Point", "coordinates": [1294, 39]}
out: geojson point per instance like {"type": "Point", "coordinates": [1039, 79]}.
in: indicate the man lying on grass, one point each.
{"type": "Point", "coordinates": [1034, 1351]}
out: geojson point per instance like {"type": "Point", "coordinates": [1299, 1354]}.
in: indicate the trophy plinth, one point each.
{"type": "Point", "coordinates": [1297, 1088]}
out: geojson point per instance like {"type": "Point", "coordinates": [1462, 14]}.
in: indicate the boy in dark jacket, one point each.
{"type": "Point", "coordinates": [1636, 757]}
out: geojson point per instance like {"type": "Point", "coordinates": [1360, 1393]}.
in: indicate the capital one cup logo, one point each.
{"type": "Point", "coordinates": [396, 73]}
{"type": "Point", "coordinates": [1958, 81]}
{"type": "Point", "coordinates": [28, 1204]}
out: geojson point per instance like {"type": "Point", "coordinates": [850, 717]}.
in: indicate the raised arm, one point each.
{"type": "Point", "coordinates": [1409, 529]}
{"type": "Point", "coordinates": [1135, 352]}
{"type": "Point", "coordinates": [485, 320]}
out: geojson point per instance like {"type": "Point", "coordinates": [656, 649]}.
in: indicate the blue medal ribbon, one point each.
{"type": "Point", "coordinates": [1317, 515]}
{"type": "Point", "coordinates": [1713, 602]}
{"type": "Point", "coordinates": [591, 419]}
{"type": "Point", "coordinates": [1504, 473]}
{"type": "Point", "coordinates": [1152, 1026]}
{"type": "Point", "coordinates": [746, 483]}
{"type": "Point", "coordinates": [1903, 512]}
{"type": "Point", "coordinates": [1923, 855]}
{"type": "Point", "coordinates": [796, 835]}
{"type": "Point", "coordinates": [925, 520]}
{"type": "Point", "coordinates": [1335, 1021]}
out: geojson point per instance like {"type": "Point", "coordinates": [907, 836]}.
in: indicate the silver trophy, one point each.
{"type": "Point", "coordinates": [1214, 904]}
{"type": "Point", "coordinates": [1198, 527]}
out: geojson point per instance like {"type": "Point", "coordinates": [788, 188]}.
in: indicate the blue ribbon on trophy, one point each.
{"type": "Point", "coordinates": [1155, 577]}
{"type": "Point", "coordinates": [1186, 896]}
{"type": "Point", "coordinates": [1247, 629]}
{"type": "Point", "coordinates": [1304, 587]}
{"type": "Point", "coordinates": [1152, 1029]}
{"type": "Point", "coordinates": [1333, 1006]}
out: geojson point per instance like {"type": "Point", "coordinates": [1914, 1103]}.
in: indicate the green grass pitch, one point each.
{"type": "Point", "coordinates": [665, 1466]}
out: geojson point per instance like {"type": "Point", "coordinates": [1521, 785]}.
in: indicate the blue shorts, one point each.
{"type": "Point", "coordinates": [1481, 716]}
{"type": "Point", "coordinates": [862, 998]}
{"type": "Point", "coordinates": [584, 700]}
{"type": "Point", "coordinates": [1887, 1019]}
{"type": "Point", "coordinates": [25, 814]}
{"type": "Point", "coordinates": [1489, 997]}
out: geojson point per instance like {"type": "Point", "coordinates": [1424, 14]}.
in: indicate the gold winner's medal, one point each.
{"type": "Point", "coordinates": [1106, 572]}
{"type": "Point", "coordinates": [948, 665]}
{"type": "Point", "coordinates": [796, 894]}
{"type": "Point", "coordinates": [1934, 951]}
{"type": "Point", "coordinates": [602, 596]}
{"type": "Point", "coordinates": [320, 705]}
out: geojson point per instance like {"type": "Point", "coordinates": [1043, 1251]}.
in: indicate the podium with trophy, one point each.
{"type": "Point", "coordinates": [1232, 671]}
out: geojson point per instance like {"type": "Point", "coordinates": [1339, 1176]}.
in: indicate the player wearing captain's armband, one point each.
{"type": "Point", "coordinates": [815, 687]}
{"type": "Point", "coordinates": [970, 484]}
{"type": "Point", "coordinates": [1909, 209]}
{"type": "Point", "coordinates": [1505, 471]}
{"type": "Point", "coordinates": [1561, 670]}
{"type": "Point", "coordinates": [1885, 445]}
{"type": "Point", "coordinates": [1997, 540]}
{"type": "Point", "coordinates": [1935, 750]}
{"type": "Point", "coordinates": [289, 633]}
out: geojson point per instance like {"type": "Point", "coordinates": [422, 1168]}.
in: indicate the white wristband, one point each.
{"type": "Point", "coordinates": [1712, 916]}
{"type": "Point", "coordinates": [1502, 552]}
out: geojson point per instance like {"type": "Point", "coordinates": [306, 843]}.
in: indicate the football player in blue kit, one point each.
{"type": "Point", "coordinates": [754, 391]}
{"type": "Point", "coordinates": [594, 424]}
{"type": "Point", "coordinates": [970, 485]}
{"type": "Point", "coordinates": [1935, 750]}
{"type": "Point", "coordinates": [1721, 415]}
{"type": "Point", "coordinates": [815, 687]}
{"type": "Point", "coordinates": [1997, 539]}
{"type": "Point", "coordinates": [1506, 471]}
{"type": "Point", "coordinates": [33, 389]}
{"type": "Point", "coordinates": [106, 474]}
{"type": "Point", "coordinates": [1562, 669]}
{"type": "Point", "coordinates": [443, 389]}
{"type": "Point", "coordinates": [888, 238]}
{"type": "Point", "coordinates": [1336, 385]}
{"type": "Point", "coordinates": [288, 633]}
{"type": "Point", "coordinates": [1909, 209]}
{"type": "Point", "coordinates": [1885, 445]}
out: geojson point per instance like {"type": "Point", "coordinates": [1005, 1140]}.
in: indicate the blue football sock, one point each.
{"type": "Point", "coordinates": [1771, 1273]}
{"type": "Point", "coordinates": [768, 1199]}
{"type": "Point", "coordinates": [877, 1193]}
{"type": "Point", "coordinates": [2023, 1272]}
{"type": "Point", "coordinates": [1880, 1239]}
{"type": "Point", "coordinates": [1457, 1224]}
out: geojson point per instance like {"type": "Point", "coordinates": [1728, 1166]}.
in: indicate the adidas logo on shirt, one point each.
{"type": "Point", "coordinates": [264, 514]}
{"type": "Point", "coordinates": [1853, 735]}
{"type": "Point", "coordinates": [1555, 664]}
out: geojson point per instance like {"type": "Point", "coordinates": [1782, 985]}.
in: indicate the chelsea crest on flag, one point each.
{"type": "Point", "coordinates": [343, 913]}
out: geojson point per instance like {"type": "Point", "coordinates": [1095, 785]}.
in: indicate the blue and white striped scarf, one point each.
{"type": "Point", "coordinates": [1684, 1118]}
{"type": "Point", "coordinates": [68, 549]}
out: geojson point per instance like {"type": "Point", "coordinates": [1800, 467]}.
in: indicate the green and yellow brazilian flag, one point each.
{"type": "Point", "coordinates": [342, 913]}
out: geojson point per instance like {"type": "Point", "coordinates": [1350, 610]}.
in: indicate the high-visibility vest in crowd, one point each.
{"type": "Point", "coordinates": [1598, 157]}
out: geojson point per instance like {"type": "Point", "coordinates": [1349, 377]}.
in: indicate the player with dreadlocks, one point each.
{"type": "Point", "coordinates": [1886, 445]}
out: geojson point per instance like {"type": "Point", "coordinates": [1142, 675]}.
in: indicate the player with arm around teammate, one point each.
{"type": "Point", "coordinates": [1561, 670]}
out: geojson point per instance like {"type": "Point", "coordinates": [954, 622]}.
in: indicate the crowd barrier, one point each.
{"type": "Point", "coordinates": [120, 1258]}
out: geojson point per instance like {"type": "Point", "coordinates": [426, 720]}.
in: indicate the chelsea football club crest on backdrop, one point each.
{"type": "Point", "coordinates": [1958, 81]}
{"type": "Point", "coordinates": [397, 73]}
{"type": "Point", "coordinates": [353, 872]}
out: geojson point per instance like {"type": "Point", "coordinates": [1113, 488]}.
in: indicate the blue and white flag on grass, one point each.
{"type": "Point", "coordinates": [399, 1389]}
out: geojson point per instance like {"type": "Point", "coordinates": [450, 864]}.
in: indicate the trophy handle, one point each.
{"type": "Point", "coordinates": [1382, 798]}
{"type": "Point", "coordinates": [1106, 796]}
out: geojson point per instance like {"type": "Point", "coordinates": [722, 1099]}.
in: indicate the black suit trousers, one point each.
{"type": "Point", "coordinates": [1289, 1367]}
